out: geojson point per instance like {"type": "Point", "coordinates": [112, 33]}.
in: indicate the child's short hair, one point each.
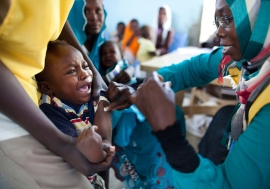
{"type": "Point", "coordinates": [120, 23]}
{"type": "Point", "coordinates": [110, 43]}
{"type": "Point", "coordinates": [145, 32]}
{"type": "Point", "coordinates": [134, 20]}
{"type": "Point", "coordinates": [52, 49]}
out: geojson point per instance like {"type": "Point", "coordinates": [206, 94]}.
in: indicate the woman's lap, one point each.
{"type": "Point", "coordinates": [25, 163]}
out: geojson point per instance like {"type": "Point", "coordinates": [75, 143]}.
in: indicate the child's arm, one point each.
{"type": "Point", "coordinates": [97, 137]}
{"type": "Point", "coordinates": [98, 83]}
{"type": "Point", "coordinates": [104, 123]}
{"type": "Point", "coordinates": [88, 142]}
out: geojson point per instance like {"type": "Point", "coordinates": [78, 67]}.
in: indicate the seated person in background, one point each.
{"type": "Point", "coordinates": [146, 45]}
{"type": "Point", "coordinates": [118, 36]}
{"type": "Point", "coordinates": [164, 32]}
{"type": "Point", "coordinates": [65, 84]}
{"type": "Point", "coordinates": [112, 65]}
{"type": "Point", "coordinates": [130, 43]}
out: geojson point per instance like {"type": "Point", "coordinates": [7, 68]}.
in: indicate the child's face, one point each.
{"type": "Point", "coordinates": [121, 29]}
{"type": "Point", "coordinates": [134, 26]}
{"type": "Point", "coordinates": [95, 17]}
{"type": "Point", "coordinates": [110, 54]}
{"type": "Point", "coordinates": [69, 76]}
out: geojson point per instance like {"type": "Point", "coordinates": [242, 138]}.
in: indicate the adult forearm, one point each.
{"type": "Point", "coordinates": [179, 153]}
{"type": "Point", "coordinates": [17, 105]}
{"type": "Point", "coordinates": [197, 71]}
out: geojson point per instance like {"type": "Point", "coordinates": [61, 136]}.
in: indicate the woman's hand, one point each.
{"type": "Point", "coordinates": [156, 101]}
{"type": "Point", "coordinates": [89, 143]}
{"type": "Point", "coordinates": [119, 96]}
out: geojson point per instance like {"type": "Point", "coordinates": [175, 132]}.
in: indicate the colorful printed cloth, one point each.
{"type": "Point", "coordinates": [71, 120]}
{"type": "Point", "coordinates": [252, 27]}
{"type": "Point", "coordinates": [141, 162]}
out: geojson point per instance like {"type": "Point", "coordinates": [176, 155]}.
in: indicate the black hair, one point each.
{"type": "Point", "coordinates": [120, 23]}
{"type": "Point", "coordinates": [145, 32]}
{"type": "Point", "coordinates": [52, 48]}
{"type": "Point", "coordinates": [135, 20]}
{"type": "Point", "coordinates": [110, 43]}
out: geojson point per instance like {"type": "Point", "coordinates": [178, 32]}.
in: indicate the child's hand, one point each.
{"type": "Point", "coordinates": [108, 148]}
{"type": "Point", "coordinates": [125, 75]}
{"type": "Point", "coordinates": [89, 143]}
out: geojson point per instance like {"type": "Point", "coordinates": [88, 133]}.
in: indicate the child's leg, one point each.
{"type": "Point", "coordinates": [25, 163]}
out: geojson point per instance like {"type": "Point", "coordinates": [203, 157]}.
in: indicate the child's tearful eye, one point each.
{"type": "Point", "coordinates": [86, 67]}
{"type": "Point", "coordinates": [71, 71]}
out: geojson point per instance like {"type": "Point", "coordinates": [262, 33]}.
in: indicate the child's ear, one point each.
{"type": "Point", "coordinates": [44, 88]}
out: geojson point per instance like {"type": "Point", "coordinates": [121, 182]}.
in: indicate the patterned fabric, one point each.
{"type": "Point", "coordinates": [141, 162]}
{"type": "Point", "coordinates": [79, 119]}
{"type": "Point", "coordinates": [251, 72]}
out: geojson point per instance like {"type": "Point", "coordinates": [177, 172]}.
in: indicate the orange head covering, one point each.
{"type": "Point", "coordinates": [134, 45]}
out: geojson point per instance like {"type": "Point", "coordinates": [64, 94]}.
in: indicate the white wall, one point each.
{"type": "Point", "coordinates": [186, 13]}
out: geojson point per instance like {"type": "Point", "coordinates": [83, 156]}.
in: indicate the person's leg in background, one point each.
{"type": "Point", "coordinates": [210, 146]}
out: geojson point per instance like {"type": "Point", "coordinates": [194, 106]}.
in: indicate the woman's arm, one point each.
{"type": "Point", "coordinates": [98, 83]}
{"type": "Point", "coordinates": [197, 71]}
{"type": "Point", "coordinates": [246, 166]}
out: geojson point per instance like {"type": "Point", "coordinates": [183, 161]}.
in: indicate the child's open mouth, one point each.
{"type": "Point", "coordinates": [85, 88]}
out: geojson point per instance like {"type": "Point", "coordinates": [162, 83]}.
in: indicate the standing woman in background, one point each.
{"type": "Point", "coordinates": [164, 32]}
